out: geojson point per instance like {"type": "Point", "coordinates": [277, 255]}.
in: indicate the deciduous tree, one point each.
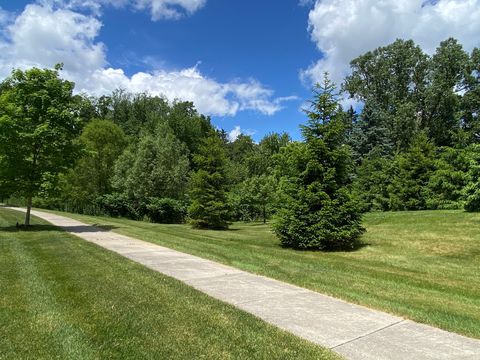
{"type": "Point", "coordinates": [39, 124]}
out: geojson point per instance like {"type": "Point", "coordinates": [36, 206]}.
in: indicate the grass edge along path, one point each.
{"type": "Point", "coordinates": [419, 265]}
{"type": "Point", "coordinates": [63, 297]}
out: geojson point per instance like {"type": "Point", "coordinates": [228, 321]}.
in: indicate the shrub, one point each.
{"type": "Point", "coordinates": [166, 211]}
{"type": "Point", "coordinates": [119, 205]}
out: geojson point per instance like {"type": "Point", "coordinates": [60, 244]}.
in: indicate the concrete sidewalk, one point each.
{"type": "Point", "coordinates": [354, 331]}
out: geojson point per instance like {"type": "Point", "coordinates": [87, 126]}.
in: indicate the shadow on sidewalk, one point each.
{"type": "Point", "coordinates": [73, 229]}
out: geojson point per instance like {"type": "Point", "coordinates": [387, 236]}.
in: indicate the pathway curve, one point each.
{"type": "Point", "coordinates": [355, 332]}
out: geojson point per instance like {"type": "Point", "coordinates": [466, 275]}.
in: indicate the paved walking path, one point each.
{"type": "Point", "coordinates": [354, 331]}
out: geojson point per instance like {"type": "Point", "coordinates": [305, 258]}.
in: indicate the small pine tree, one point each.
{"type": "Point", "coordinates": [318, 212]}
{"type": "Point", "coordinates": [209, 209]}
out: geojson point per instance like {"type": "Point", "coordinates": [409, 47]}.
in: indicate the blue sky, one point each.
{"type": "Point", "coordinates": [249, 64]}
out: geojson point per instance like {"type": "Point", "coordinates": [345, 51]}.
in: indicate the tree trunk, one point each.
{"type": "Point", "coordinates": [29, 209]}
{"type": "Point", "coordinates": [264, 214]}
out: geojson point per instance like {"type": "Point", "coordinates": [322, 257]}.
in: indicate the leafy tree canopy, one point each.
{"type": "Point", "coordinates": [39, 125]}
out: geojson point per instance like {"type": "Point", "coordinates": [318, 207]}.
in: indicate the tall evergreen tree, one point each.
{"type": "Point", "coordinates": [450, 177]}
{"type": "Point", "coordinates": [319, 212]}
{"type": "Point", "coordinates": [373, 177]}
{"type": "Point", "coordinates": [209, 207]}
{"type": "Point", "coordinates": [414, 168]}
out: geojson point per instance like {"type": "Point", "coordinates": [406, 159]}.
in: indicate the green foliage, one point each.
{"type": "Point", "coordinates": [391, 82]}
{"type": "Point", "coordinates": [405, 91]}
{"type": "Point", "coordinates": [471, 191]}
{"type": "Point", "coordinates": [389, 75]}
{"type": "Point", "coordinates": [120, 205]}
{"type": "Point", "coordinates": [446, 184]}
{"type": "Point", "coordinates": [238, 153]}
{"type": "Point", "coordinates": [104, 143]}
{"type": "Point", "coordinates": [373, 178]}
{"type": "Point", "coordinates": [39, 125]}
{"type": "Point", "coordinates": [138, 114]}
{"type": "Point", "coordinates": [157, 167]}
{"type": "Point", "coordinates": [133, 112]}
{"type": "Point", "coordinates": [254, 198]}
{"type": "Point", "coordinates": [421, 178]}
{"type": "Point", "coordinates": [157, 210]}
{"type": "Point", "coordinates": [409, 99]}
{"type": "Point", "coordinates": [448, 69]}
{"type": "Point", "coordinates": [166, 211]}
{"type": "Point", "coordinates": [409, 144]}
{"type": "Point", "coordinates": [371, 133]}
{"type": "Point", "coordinates": [188, 125]}
{"type": "Point", "coordinates": [408, 190]}
{"type": "Point", "coordinates": [319, 213]}
{"type": "Point", "coordinates": [470, 102]}
{"type": "Point", "coordinates": [291, 160]}
{"type": "Point", "coordinates": [209, 208]}
{"type": "Point", "coordinates": [261, 160]}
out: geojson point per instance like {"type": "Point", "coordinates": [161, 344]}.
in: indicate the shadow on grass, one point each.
{"type": "Point", "coordinates": [72, 229]}
{"type": "Point", "coordinates": [356, 247]}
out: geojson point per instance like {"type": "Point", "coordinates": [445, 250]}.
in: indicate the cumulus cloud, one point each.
{"type": "Point", "coordinates": [345, 29]}
{"type": "Point", "coordinates": [4, 16]}
{"type": "Point", "coordinates": [237, 131]}
{"type": "Point", "coordinates": [43, 35]}
{"type": "Point", "coordinates": [209, 96]}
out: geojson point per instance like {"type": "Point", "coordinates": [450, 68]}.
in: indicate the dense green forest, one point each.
{"type": "Point", "coordinates": [412, 143]}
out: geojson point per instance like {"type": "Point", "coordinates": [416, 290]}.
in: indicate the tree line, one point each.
{"type": "Point", "coordinates": [412, 143]}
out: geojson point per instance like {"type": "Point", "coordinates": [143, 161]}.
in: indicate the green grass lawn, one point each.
{"type": "Point", "coordinates": [422, 265]}
{"type": "Point", "coordinates": [64, 298]}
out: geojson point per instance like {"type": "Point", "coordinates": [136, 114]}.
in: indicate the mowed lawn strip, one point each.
{"type": "Point", "coordinates": [422, 265]}
{"type": "Point", "coordinates": [62, 297]}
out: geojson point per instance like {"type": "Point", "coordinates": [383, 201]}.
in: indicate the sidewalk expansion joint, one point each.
{"type": "Point", "coordinates": [370, 333]}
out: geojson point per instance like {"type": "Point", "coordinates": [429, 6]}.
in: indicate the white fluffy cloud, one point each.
{"type": "Point", "coordinates": [43, 35]}
{"type": "Point", "coordinates": [4, 16]}
{"type": "Point", "coordinates": [209, 96]}
{"type": "Point", "coordinates": [237, 131]}
{"type": "Point", "coordinates": [344, 29]}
